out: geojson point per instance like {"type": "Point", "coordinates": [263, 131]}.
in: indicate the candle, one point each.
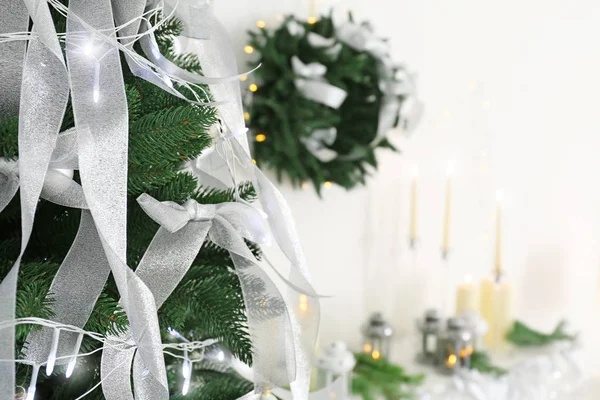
{"type": "Point", "coordinates": [497, 308]}
{"type": "Point", "coordinates": [497, 293]}
{"type": "Point", "coordinates": [466, 296]}
{"type": "Point", "coordinates": [446, 234]}
{"type": "Point", "coordinates": [413, 206]}
{"type": "Point", "coordinates": [498, 258]}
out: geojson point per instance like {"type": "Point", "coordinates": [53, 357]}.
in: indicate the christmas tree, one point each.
{"type": "Point", "coordinates": [164, 132]}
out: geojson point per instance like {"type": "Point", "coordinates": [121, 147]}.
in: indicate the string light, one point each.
{"type": "Point", "coordinates": [73, 360]}
{"type": "Point", "coordinates": [375, 354]}
{"type": "Point", "coordinates": [243, 78]}
{"type": "Point", "coordinates": [260, 24]}
{"type": "Point", "coordinates": [261, 137]}
{"type": "Point", "coordinates": [33, 382]}
{"type": "Point", "coordinates": [246, 116]}
{"type": "Point", "coordinates": [312, 20]}
{"type": "Point", "coordinates": [52, 355]}
{"type": "Point", "coordinates": [367, 348]}
{"type": "Point", "coordinates": [327, 185]}
{"type": "Point", "coordinates": [248, 49]}
{"type": "Point", "coordinates": [304, 185]}
{"type": "Point", "coordinates": [253, 87]}
{"type": "Point", "coordinates": [254, 161]}
{"type": "Point", "coordinates": [186, 371]}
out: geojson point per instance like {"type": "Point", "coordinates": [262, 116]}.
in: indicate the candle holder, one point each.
{"type": "Point", "coordinates": [454, 346]}
{"type": "Point", "coordinates": [377, 337]}
{"type": "Point", "coordinates": [429, 327]}
{"type": "Point", "coordinates": [336, 364]}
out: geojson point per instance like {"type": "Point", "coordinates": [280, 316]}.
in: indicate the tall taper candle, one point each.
{"type": "Point", "coordinates": [448, 211]}
{"type": "Point", "coordinates": [413, 206]}
{"type": "Point", "coordinates": [498, 258]}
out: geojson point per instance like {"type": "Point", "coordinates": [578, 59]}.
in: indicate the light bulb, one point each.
{"type": "Point", "coordinates": [88, 48]}
{"type": "Point", "coordinates": [246, 116]}
{"type": "Point", "coordinates": [312, 20]}
{"type": "Point", "coordinates": [253, 87]}
{"type": "Point", "coordinates": [33, 382]}
{"type": "Point", "coordinates": [71, 367]}
{"type": "Point", "coordinates": [260, 24]}
{"type": "Point", "coordinates": [244, 78]}
{"type": "Point", "coordinates": [186, 386]}
{"type": "Point", "coordinates": [220, 356]}
{"type": "Point", "coordinates": [52, 355]}
{"type": "Point", "coordinates": [327, 185]}
{"type": "Point", "coordinates": [185, 368]}
{"type": "Point", "coordinates": [96, 95]}
{"type": "Point", "coordinates": [261, 137]}
{"type": "Point", "coordinates": [304, 185]}
{"type": "Point", "coordinates": [73, 359]}
{"type": "Point", "coordinates": [248, 49]}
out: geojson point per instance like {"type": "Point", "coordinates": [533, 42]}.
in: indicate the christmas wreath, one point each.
{"type": "Point", "coordinates": [324, 99]}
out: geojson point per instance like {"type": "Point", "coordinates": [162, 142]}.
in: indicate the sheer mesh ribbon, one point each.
{"type": "Point", "coordinates": [44, 92]}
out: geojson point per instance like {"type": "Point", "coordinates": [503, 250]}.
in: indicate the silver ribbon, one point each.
{"type": "Point", "coordinates": [311, 83]}
{"type": "Point", "coordinates": [305, 319]}
{"type": "Point", "coordinates": [294, 28]}
{"type": "Point", "coordinates": [176, 244]}
{"type": "Point", "coordinates": [14, 18]}
{"type": "Point", "coordinates": [318, 41]}
{"type": "Point", "coordinates": [318, 141]}
{"type": "Point", "coordinates": [103, 169]}
{"type": "Point", "coordinates": [44, 92]}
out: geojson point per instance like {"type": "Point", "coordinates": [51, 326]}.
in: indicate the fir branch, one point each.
{"type": "Point", "coordinates": [9, 137]}
{"type": "Point", "coordinates": [373, 378]}
{"type": "Point", "coordinates": [214, 385]}
{"type": "Point", "coordinates": [523, 335]}
{"type": "Point", "coordinates": [480, 361]}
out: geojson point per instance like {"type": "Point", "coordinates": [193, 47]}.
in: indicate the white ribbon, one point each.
{"type": "Point", "coordinates": [312, 84]}
{"type": "Point", "coordinates": [361, 38]}
{"type": "Point", "coordinates": [44, 92]}
{"type": "Point", "coordinates": [294, 28]}
{"type": "Point", "coordinates": [318, 141]}
{"type": "Point", "coordinates": [318, 41]}
{"type": "Point", "coordinates": [310, 71]}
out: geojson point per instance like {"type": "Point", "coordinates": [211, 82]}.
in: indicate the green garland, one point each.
{"type": "Point", "coordinates": [524, 336]}
{"type": "Point", "coordinates": [375, 378]}
{"type": "Point", "coordinates": [282, 118]}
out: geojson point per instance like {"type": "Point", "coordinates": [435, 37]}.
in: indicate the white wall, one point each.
{"type": "Point", "coordinates": [515, 79]}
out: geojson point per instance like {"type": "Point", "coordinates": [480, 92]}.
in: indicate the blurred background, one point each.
{"type": "Point", "coordinates": [511, 95]}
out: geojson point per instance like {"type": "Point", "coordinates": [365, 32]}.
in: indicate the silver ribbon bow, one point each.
{"type": "Point", "coordinates": [174, 248]}
{"type": "Point", "coordinates": [318, 141]}
{"type": "Point", "coordinates": [311, 83]}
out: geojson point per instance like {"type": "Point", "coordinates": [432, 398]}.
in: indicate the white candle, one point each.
{"type": "Point", "coordinates": [413, 205]}
{"type": "Point", "coordinates": [448, 211]}
{"type": "Point", "coordinates": [466, 296]}
{"type": "Point", "coordinates": [498, 254]}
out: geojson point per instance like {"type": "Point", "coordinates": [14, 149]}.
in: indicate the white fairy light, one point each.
{"type": "Point", "coordinates": [185, 368]}
{"type": "Point", "coordinates": [186, 371]}
{"type": "Point", "coordinates": [33, 382]}
{"type": "Point", "coordinates": [52, 355]}
{"type": "Point", "coordinates": [88, 48]}
{"type": "Point", "coordinates": [73, 360]}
